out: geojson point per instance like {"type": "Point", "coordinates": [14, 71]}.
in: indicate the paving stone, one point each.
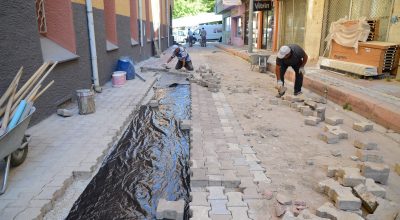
{"type": "Point", "coordinates": [295, 105]}
{"type": "Point", "coordinates": [365, 145]}
{"type": "Point", "coordinates": [385, 210]}
{"type": "Point", "coordinates": [240, 162]}
{"type": "Point", "coordinates": [239, 213]}
{"type": "Point", "coordinates": [363, 126]}
{"type": "Point", "coordinates": [251, 193]}
{"type": "Point", "coordinates": [229, 179]}
{"type": "Point", "coordinates": [221, 217]}
{"type": "Point", "coordinates": [307, 112]}
{"type": "Point", "coordinates": [321, 113]}
{"type": "Point", "coordinates": [328, 137]}
{"type": "Point", "coordinates": [235, 199]}
{"type": "Point", "coordinates": [218, 207]}
{"type": "Point", "coordinates": [349, 176]}
{"type": "Point", "coordinates": [332, 171]}
{"type": "Point", "coordinates": [199, 178]}
{"type": "Point", "coordinates": [213, 171]}
{"type": "Point", "coordinates": [311, 120]}
{"type": "Point", "coordinates": [216, 193]}
{"type": "Point", "coordinates": [259, 176]}
{"type": "Point", "coordinates": [311, 103]}
{"type": "Point", "coordinates": [367, 198]}
{"type": "Point", "coordinates": [243, 172]}
{"type": "Point", "coordinates": [227, 165]}
{"type": "Point", "coordinates": [252, 157]}
{"type": "Point", "coordinates": [200, 212]}
{"type": "Point", "coordinates": [247, 182]}
{"type": "Point", "coordinates": [170, 209]}
{"type": "Point", "coordinates": [197, 163]}
{"type": "Point", "coordinates": [334, 120]}
{"type": "Point", "coordinates": [65, 112]}
{"type": "Point", "coordinates": [374, 188]}
{"type": "Point", "coordinates": [199, 199]}
{"type": "Point", "coordinates": [369, 156]}
{"type": "Point", "coordinates": [283, 199]}
{"type": "Point", "coordinates": [336, 130]}
{"type": "Point", "coordinates": [215, 180]}
{"type": "Point", "coordinates": [256, 167]}
{"type": "Point", "coordinates": [248, 150]}
{"type": "Point", "coordinates": [376, 171]}
{"type": "Point", "coordinates": [153, 103]}
{"type": "Point", "coordinates": [342, 196]}
{"type": "Point", "coordinates": [328, 210]}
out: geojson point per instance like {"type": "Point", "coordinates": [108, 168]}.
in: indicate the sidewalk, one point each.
{"type": "Point", "coordinates": [64, 148]}
{"type": "Point", "coordinates": [376, 103]}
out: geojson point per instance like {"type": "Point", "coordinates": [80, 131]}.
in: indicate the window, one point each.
{"type": "Point", "coordinates": [110, 25]}
{"type": "Point", "coordinates": [135, 25]}
{"type": "Point", "coordinates": [56, 28]}
{"type": "Point", "coordinates": [227, 24]}
{"type": "Point", "coordinates": [239, 27]}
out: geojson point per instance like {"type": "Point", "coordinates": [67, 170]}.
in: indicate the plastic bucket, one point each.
{"type": "Point", "coordinates": [86, 103]}
{"type": "Point", "coordinates": [118, 78]}
{"type": "Point", "coordinates": [126, 64]}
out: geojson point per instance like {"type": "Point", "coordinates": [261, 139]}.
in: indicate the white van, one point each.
{"type": "Point", "coordinates": [180, 36]}
{"type": "Point", "coordinates": [214, 32]}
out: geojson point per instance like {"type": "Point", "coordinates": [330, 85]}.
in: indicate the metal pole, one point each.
{"type": "Point", "coordinates": [250, 41]}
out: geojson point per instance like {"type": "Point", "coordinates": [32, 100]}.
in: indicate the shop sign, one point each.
{"type": "Point", "coordinates": [262, 5]}
{"type": "Point", "coordinates": [231, 2]}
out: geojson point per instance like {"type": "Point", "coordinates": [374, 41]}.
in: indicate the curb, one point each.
{"type": "Point", "coordinates": [373, 110]}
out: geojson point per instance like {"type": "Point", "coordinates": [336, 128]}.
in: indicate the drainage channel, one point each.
{"type": "Point", "coordinates": [148, 163]}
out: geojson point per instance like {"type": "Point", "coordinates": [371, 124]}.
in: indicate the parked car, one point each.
{"type": "Point", "coordinates": [180, 36]}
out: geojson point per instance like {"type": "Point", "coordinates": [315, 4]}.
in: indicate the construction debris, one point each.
{"type": "Point", "coordinates": [363, 126]}
{"type": "Point", "coordinates": [204, 76]}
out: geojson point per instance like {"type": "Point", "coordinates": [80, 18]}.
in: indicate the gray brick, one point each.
{"type": "Point", "coordinates": [259, 176]}
{"type": "Point", "coordinates": [334, 120]}
{"type": "Point", "coordinates": [239, 213]}
{"type": "Point", "coordinates": [374, 188]}
{"type": "Point", "coordinates": [365, 145]}
{"type": "Point", "coordinates": [215, 180]}
{"type": "Point", "coordinates": [216, 193]}
{"type": "Point", "coordinates": [170, 209]}
{"type": "Point", "coordinates": [363, 126]}
{"type": "Point", "coordinates": [251, 193]}
{"type": "Point", "coordinates": [230, 180]}
{"type": "Point", "coordinates": [329, 211]}
{"type": "Point", "coordinates": [349, 176]}
{"type": "Point", "coordinates": [311, 120]}
{"type": "Point", "coordinates": [376, 171]}
{"type": "Point", "coordinates": [235, 199]}
{"type": "Point", "coordinates": [199, 199]}
{"type": "Point", "coordinates": [218, 207]}
{"type": "Point", "coordinates": [342, 196]}
{"type": "Point", "coordinates": [368, 199]}
{"type": "Point", "coordinates": [328, 138]}
{"type": "Point", "coordinates": [200, 212]}
{"type": "Point", "coordinates": [385, 210]}
{"type": "Point", "coordinates": [369, 156]}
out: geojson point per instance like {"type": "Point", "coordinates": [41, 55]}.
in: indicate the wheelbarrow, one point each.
{"type": "Point", "coordinates": [14, 147]}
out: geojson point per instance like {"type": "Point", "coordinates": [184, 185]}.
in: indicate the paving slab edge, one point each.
{"type": "Point", "coordinates": [370, 109]}
{"type": "Point", "coordinates": [75, 175]}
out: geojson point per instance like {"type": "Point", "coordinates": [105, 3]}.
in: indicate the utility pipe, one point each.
{"type": "Point", "coordinates": [276, 26]}
{"type": "Point", "coordinates": [168, 21]}
{"type": "Point", "coordinates": [92, 42]}
{"type": "Point", "coordinates": [250, 41]}
{"type": "Point", "coordinates": [141, 22]}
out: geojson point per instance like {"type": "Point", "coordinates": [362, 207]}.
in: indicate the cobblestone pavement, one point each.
{"type": "Point", "coordinates": [227, 178]}
{"type": "Point", "coordinates": [65, 148]}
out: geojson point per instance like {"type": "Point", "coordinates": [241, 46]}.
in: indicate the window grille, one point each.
{"type": "Point", "coordinates": [41, 16]}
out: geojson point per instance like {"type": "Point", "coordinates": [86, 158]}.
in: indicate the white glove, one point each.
{"type": "Point", "coordinates": [302, 71]}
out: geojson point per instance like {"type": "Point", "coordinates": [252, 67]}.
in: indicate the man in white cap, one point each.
{"type": "Point", "coordinates": [294, 56]}
{"type": "Point", "coordinates": [182, 56]}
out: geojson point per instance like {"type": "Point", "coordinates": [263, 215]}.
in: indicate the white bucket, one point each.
{"type": "Point", "coordinates": [118, 78]}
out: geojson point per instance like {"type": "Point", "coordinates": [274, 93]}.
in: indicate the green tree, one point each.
{"type": "Point", "coordinates": [184, 8]}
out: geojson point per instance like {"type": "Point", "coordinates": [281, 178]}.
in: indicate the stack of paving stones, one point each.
{"type": "Point", "coordinates": [204, 76]}
{"type": "Point", "coordinates": [350, 188]}
{"type": "Point", "coordinates": [227, 180]}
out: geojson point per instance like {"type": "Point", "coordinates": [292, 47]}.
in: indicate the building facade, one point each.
{"type": "Point", "coordinates": [235, 23]}
{"type": "Point", "coordinates": [33, 32]}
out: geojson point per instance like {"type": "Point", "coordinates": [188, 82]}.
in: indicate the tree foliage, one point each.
{"type": "Point", "coordinates": [184, 8]}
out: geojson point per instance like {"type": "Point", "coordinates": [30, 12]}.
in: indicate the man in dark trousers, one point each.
{"type": "Point", "coordinates": [294, 56]}
{"type": "Point", "coordinates": [183, 58]}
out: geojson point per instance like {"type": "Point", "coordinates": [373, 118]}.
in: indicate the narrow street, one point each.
{"type": "Point", "coordinates": [237, 135]}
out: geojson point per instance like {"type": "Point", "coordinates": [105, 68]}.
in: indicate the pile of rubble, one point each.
{"type": "Point", "coordinates": [350, 188]}
{"type": "Point", "coordinates": [204, 76]}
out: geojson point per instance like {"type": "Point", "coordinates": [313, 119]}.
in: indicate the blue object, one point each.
{"type": "Point", "coordinates": [17, 115]}
{"type": "Point", "coordinates": [126, 64]}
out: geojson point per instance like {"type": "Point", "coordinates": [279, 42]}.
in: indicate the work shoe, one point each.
{"type": "Point", "coordinates": [298, 93]}
{"type": "Point", "coordinates": [282, 90]}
